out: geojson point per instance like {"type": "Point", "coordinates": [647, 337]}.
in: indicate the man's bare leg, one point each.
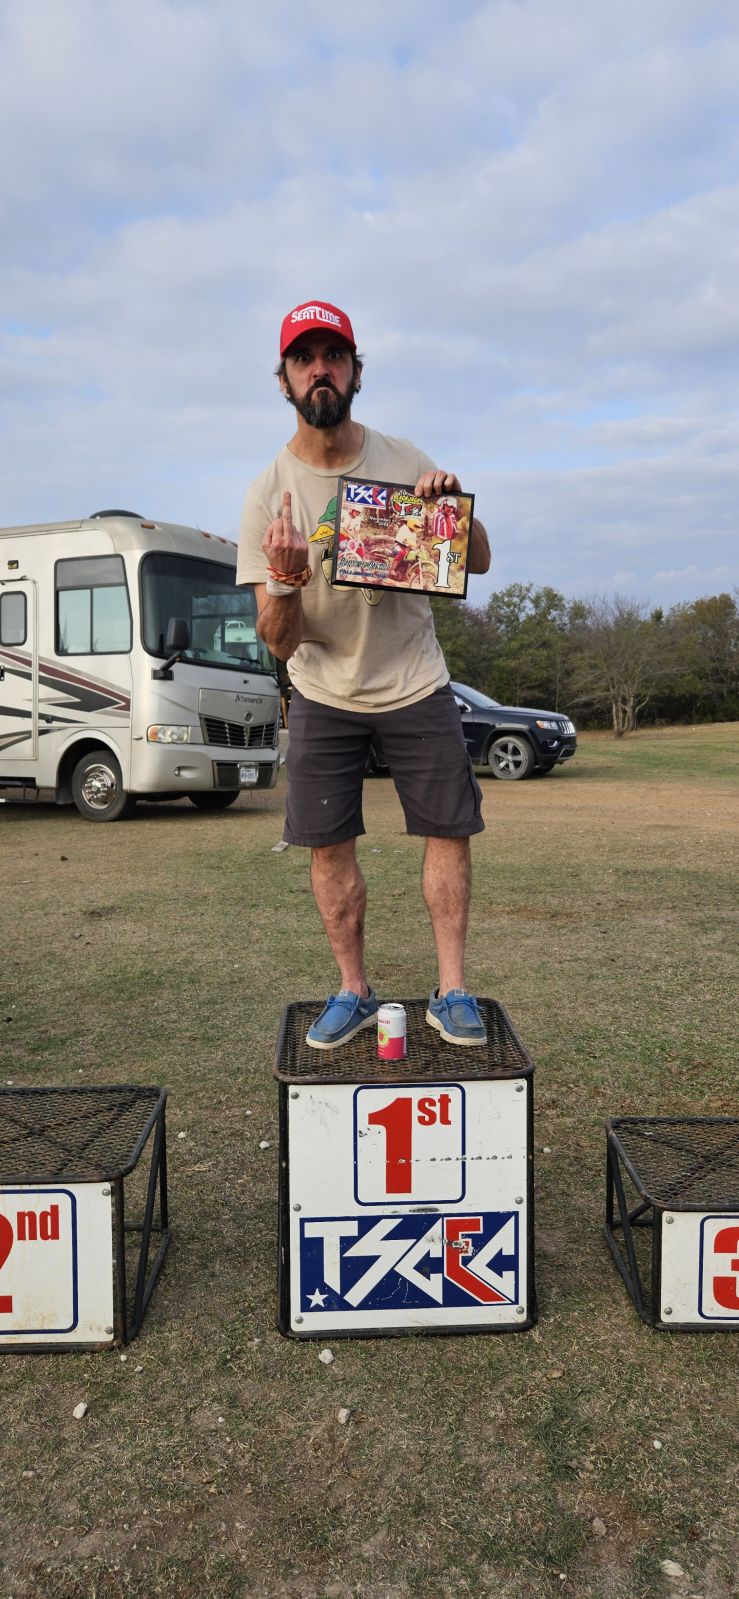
{"type": "Point", "coordinates": [341, 897]}
{"type": "Point", "coordinates": [447, 884]}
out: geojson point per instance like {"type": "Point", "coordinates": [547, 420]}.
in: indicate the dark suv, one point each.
{"type": "Point", "coordinates": [512, 741]}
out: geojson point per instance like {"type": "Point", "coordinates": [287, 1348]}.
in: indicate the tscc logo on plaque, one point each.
{"type": "Point", "coordinates": [409, 1262]}
{"type": "Point", "coordinates": [409, 1144]}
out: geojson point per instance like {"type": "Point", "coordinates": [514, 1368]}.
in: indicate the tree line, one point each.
{"type": "Point", "coordinates": [609, 661]}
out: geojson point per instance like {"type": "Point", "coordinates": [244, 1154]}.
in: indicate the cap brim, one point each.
{"type": "Point", "coordinates": [307, 332]}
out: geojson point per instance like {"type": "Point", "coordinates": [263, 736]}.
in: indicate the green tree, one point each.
{"type": "Point", "coordinates": [706, 641]}
{"type": "Point", "coordinates": [608, 657]}
{"type": "Point", "coordinates": [466, 641]}
{"type": "Point", "coordinates": [622, 658]}
{"type": "Point", "coordinates": [529, 627]}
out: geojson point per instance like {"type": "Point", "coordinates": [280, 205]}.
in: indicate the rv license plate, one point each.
{"type": "Point", "coordinates": [248, 776]}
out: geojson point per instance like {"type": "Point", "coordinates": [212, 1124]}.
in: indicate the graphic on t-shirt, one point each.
{"type": "Point", "coordinates": [390, 537]}
{"type": "Point", "coordinates": [325, 533]}
{"type": "Point", "coordinates": [326, 524]}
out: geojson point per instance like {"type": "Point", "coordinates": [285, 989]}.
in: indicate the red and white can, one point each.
{"type": "Point", "coordinates": [391, 1032]}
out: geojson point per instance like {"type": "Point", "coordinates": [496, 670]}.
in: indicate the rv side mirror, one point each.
{"type": "Point", "coordinates": [177, 639]}
{"type": "Point", "coordinates": [178, 635]}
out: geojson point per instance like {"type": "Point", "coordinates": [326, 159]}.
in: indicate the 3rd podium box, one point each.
{"type": "Point", "coordinates": [83, 1214]}
{"type": "Point", "coordinates": [672, 1218]}
{"type": "Point", "coordinates": [406, 1187]}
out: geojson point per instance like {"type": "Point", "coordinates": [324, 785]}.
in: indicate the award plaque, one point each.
{"type": "Point", "coordinates": [388, 537]}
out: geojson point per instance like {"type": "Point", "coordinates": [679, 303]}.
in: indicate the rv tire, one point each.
{"type": "Point", "coordinates": [97, 788]}
{"type": "Point", "coordinates": [214, 799]}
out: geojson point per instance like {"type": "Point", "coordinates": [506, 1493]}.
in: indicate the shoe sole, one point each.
{"type": "Point", "coordinates": [454, 1038]}
{"type": "Point", "coordinates": [314, 1043]}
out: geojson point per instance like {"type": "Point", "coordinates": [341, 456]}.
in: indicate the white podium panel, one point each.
{"type": "Point", "coordinates": [699, 1281]}
{"type": "Point", "coordinates": [56, 1270]}
{"type": "Point", "coordinates": [406, 1205]}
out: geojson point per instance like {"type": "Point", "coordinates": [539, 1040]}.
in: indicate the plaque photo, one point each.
{"type": "Point", "coordinates": [388, 537]}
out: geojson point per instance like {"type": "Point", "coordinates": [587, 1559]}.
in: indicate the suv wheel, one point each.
{"type": "Point", "coordinates": [510, 757]}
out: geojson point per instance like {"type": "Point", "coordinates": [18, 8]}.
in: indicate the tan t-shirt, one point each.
{"type": "Point", "coordinates": [362, 649]}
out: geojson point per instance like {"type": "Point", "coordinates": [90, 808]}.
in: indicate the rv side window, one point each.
{"type": "Point", "coordinates": [93, 616]}
{"type": "Point", "coordinates": [12, 618]}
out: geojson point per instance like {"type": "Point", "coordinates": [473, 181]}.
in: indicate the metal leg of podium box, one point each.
{"type": "Point", "coordinates": [157, 1176]}
{"type": "Point", "coordinates": [146, 1276]}
{"type": "Point", "coordinates": [629, 1268]}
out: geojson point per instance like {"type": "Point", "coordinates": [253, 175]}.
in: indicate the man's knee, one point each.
{"type": "Point", "coordinates": [334, 857]}
{"type": "Point", "coordinates": [447, 848]}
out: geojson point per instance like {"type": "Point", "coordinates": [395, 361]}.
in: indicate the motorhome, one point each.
{"type": "Point", "coordinates": [130, 667]}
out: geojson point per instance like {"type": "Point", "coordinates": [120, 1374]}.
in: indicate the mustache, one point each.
{"type": "Point", "coordinates": [322, 383]}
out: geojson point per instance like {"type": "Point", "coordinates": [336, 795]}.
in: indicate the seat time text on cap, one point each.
{"type": "Point", "coordinates": [315, 316]}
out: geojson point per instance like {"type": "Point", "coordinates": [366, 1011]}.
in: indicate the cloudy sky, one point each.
{"type": "Point", "coordinates": [529, 208]}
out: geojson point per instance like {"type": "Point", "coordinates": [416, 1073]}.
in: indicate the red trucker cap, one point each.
{"type": "Point", "coordinates": [315, 314]}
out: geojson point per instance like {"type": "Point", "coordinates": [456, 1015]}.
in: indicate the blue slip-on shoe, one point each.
{"type": "Point", "coordinates": [457, 1017]}
{"type": "Point", "coordinates": [344, 1014]}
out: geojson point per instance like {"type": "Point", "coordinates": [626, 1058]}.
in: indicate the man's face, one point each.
{"type": "Point", "coordinates": [319, 379]}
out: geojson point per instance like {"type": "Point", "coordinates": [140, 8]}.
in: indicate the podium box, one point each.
{"type": "Point", "coordinates": [71, 1170]}
{"type": "Point", "coordinates": [406, 1187]}
{"type": "Point", "coordinates": [672, 1218]}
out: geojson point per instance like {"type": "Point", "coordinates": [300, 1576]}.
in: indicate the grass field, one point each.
{"type": "Point", "coordinates": [211, 1461]}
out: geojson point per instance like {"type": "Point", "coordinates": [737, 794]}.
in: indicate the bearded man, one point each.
{"type": "Point", "coordinates": [364, 664]}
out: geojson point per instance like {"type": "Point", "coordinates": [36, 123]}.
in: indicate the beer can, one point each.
{"type": "Point", "coordinates": [391, 1032]}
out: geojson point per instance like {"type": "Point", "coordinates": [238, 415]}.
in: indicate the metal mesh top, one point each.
{"type": "Point", "coordinates": [689, 1163]}
{"type": "Point", "coordinates": [428, 1056]}
{"type": "Point", "coordinates": [80, 1134]}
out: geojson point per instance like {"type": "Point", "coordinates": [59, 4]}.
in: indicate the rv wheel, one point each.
{"type": "Point", "coordinates": [214, 799]}
{"type": "Point", "coordinates": [97, 788]}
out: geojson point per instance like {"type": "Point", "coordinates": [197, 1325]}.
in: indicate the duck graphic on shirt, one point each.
{"type": "Point", "coordinates": [325, 533]}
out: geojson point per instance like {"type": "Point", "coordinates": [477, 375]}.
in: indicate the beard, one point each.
{"type": "Point", "coordinates": [323, 406]}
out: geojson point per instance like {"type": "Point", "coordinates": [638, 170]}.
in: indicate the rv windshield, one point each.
{"type": "Point", "coordinates": [221, 618]}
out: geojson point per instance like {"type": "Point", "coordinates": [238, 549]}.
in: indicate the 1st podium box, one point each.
{"type": "Point", "coordinates": [406, 1187]}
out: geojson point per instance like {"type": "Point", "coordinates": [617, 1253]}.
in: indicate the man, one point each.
{"type": "Point", "coordinates": [362, 662]}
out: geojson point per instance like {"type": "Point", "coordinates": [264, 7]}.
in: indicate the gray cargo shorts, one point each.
{"type": "Point", "coordinates": [424, 747]}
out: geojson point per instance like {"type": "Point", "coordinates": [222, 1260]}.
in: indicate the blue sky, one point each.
{"type": "Point", "coordinates": [529, 208]}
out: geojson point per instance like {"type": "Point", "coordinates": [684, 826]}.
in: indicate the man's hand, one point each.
{"type": "Point", "coordinates": [437, 482]}
{"type": "Point", "coordinates": [285, 548]}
